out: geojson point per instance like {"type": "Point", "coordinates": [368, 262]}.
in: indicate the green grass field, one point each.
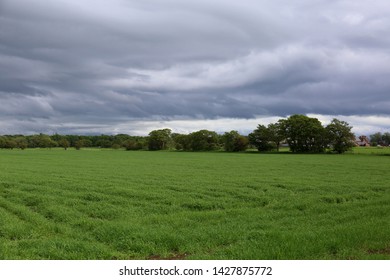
{"type": "Point", "coordinates": [113, 204]}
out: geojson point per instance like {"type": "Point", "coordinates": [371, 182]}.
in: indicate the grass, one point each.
{"type": "Point", "coordinates": [112, 204]}
{"type": "Point", "coordinates": [371, 150]}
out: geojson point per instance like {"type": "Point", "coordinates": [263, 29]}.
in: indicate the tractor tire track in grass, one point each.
{"type": "Point", "coordinates": [39, 228]}
{"type": "Point", "coordinates": [32, 219]}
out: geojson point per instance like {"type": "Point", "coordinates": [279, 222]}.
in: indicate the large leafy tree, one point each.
{"type": "Point", "coordinates": [64, 143]}
{"type": "Point", "coordinates": [260, 138]}
{"type": "Point", "coordinates": [386, 138]}
{"type": "Point", "coordinates": [181, 141]}
{"type": "Point", "coordinates": [104, 141]}
{"type": "Point", "coordinates": [159, 139]}
{"type": "Point", "coordinates": [203, 140]}
{"type": "Point", "coordinates": [275, 134]}
{"type": "Point", "coordinates": [380, 139]}
{"type": "Point", "coordinates": [340, 136]}
{"type": "Point", "coordinates": [7, 143]}
{"type": "Point", "coordinates": [303, 134]}
{"type": "Point", "coordinates": [42, 141]}
{"type": "Point", "coordinates": [376, 138]}
{"type": "Point", "coordinates": [234, 142]}
{"type": "Point", "coordinates": [267, 138]}
{"type": "Point", "coordinates": [21, 142]}
{"type": "Point", "coordinates": [134, 143]}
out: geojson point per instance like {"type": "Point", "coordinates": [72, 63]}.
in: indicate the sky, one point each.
{"type": "Point", "coordinates": [124, 66]}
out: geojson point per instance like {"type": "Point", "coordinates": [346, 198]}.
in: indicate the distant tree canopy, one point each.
{"type": "Point", "coordinates": [203, 140]}
{"type": "Point", "coordinates": [339, 136]}
{"type": "Point", "coordinates": [303, 134]}
{"type": "Point", "coordinates": [234, 142]}
{"type": "Point", "coordinates": [74, 141]}
{"type": "Point", "coordinates": [380, 139]}
{"type": "Point", "coordinates": [261, 139]}
{"type": "Point", "coordinates": [159, 139]}
{"type": "Point", "coordinates": [300, 133]}
{"type": "Point", "coordinates": [64, 143]}
{"type": "Point", "coordinates": [181, 142]}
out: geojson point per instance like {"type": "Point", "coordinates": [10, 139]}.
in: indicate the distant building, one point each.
{"type": "Point", "coordinates": [362, 141]}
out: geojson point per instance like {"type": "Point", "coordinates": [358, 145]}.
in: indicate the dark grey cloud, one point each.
{"type": "Point", "coordinates": [91, 66]}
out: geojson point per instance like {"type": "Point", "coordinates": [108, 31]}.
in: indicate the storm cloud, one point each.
{"type": "Point", "coordinates": [119, 66]}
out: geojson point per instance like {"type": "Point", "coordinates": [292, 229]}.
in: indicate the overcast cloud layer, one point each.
{"type": "Point", "coordinates": [97, 66]}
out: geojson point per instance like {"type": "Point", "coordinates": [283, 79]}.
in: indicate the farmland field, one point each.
{"type": "Point", "coordinates": [113, 204]}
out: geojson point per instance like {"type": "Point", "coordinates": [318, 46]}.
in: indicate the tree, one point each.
{"type": "Point", "coordinates": [132, 145]}
{"type": "Point", "coordinates": [203, 140]}
{"type": "Point", "coordinates": [303, 134]}
{"type": "Point", "coordinates": [380, 139]}
{"type": "Point", "coordinates": [121, 138]}
{"type": "Point", "coordinates": [9, 143]}
{"type": "Point", "coordinates": [340, 136]}
{"type": "Point", "coordinates": [159, 139]}
{"type": "Point", "coordinates": [42, 141]}
{"type": "Point", "coordinates": [234, 142]}
{"type": "Point", "coordinates": [79, 144]}
{"type": "Point", "coordinates": [104, 141]}
{"type": "Point", "coordinates": [386, 138]}
{"type": "Point", "coordinates": [64, 143]}
{"type": "Point", "coordinates": [21, 142]}
{"type": "Point", "coordinates": [181, 142]}
{"type": "Point", "coordinates": [376, 139]}
{"type": "Point", "coordinates": [275, 134]}
{"type": "Point", "coordinates": [56, 137]}
{"type": "Point", "coordinates": [260, 138]}
{"type": "Point", "coordinates": [2, 142]}
{"type": "Point", "coordinates": [87, 142]}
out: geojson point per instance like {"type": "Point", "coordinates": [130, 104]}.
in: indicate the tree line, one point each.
{"type": "Point", "coordinates": [300, 133]}
{"type": "Point", "coordinates": [379, 139]}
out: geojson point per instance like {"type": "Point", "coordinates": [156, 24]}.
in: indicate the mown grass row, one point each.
{"type": "Point", "coordinates": [107, 204]}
